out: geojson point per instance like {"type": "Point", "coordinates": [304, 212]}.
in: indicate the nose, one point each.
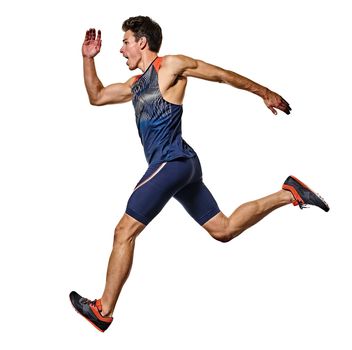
{"type": "Point", "coordinates": [121, 50]}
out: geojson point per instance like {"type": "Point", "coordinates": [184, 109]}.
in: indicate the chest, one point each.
{"type": "Point", "coordinates": [147, 99]}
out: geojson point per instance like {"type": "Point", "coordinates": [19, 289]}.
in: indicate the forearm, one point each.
{"type": "Point", "coordinates": [91, 80]}
{"type": "Point", "coordinates": [241, 82]}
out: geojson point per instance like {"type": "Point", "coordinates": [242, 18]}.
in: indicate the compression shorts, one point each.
{"type": "Point", "coordinates": [180, 178]}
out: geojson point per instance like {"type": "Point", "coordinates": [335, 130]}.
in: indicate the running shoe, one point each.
{"type": "Point", "coordinates": [91, 311]}
{"type": "Point", "coordinates": [303, 195]}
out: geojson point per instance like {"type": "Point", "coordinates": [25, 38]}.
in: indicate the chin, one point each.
{"type": "Point", "coordinates": [130, 67]}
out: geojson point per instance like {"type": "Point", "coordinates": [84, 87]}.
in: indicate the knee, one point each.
{"type": "Point", "coordinates": [222, 237]}
{"type": "Point", "coordinates": [226, 235]}
{"type": "Point", "coordinates": [222, 229]}
{"type": "Point", "coordinates": [123, 234]}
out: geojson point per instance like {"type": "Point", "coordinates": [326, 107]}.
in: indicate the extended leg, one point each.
{"type": "Point", "coordinates": [225, 228]}
{"type": "Point", "coordinates": [120, 261]}
{"type": "Point", "coordinates": [99, 311]}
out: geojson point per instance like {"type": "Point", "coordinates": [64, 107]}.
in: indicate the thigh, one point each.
{"type": "Point", "coordinates": [198, 202]}
{"type": "Point", "coordinates": [155, 189]}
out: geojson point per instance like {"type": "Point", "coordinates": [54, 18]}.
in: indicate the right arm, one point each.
{"type": "Point", "coordinates": [97, 93]}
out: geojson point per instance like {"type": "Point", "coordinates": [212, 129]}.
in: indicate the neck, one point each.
{"type": "Point", "coordinates": [147, 58]}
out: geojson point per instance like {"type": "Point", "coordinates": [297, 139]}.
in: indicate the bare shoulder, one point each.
{"type": "Point", "coordinates": [178, 64]}
{"type": "Point", "coordinates": [131, 81]}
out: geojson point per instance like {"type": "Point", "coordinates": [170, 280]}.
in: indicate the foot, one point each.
{"type": "Point", "coordinates": [303, 195]}
{"type": "Point", "coordinates": [91, 311]}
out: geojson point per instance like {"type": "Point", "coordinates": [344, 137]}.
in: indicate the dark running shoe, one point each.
{"type": "Point", "coordinates": [303, 194]}
{"type": "Point", "coordinates": [90, 310]}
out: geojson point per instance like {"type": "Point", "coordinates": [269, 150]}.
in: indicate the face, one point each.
{"type": "Point", "coordinates": [131, 50]}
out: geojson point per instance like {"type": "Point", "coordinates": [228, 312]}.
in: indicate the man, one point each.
{"type": "Point", "coordinates": [174, 169]}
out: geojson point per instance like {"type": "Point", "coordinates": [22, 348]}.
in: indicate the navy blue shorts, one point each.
{"type": "Point", "coordinates": [179, 178]}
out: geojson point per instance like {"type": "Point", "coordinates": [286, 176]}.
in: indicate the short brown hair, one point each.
{"type": "Point", "coordinates": [145, 26]}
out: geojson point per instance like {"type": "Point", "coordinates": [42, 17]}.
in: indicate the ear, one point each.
{"type": "Point", "coordinates": [143, 42]}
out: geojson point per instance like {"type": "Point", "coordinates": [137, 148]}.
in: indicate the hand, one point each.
{"type": "Point", "coordinates": [92, 43]}
{"type": "Point", "coordinates": [273, 100]}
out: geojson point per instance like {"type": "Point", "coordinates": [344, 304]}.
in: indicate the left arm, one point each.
{"type": "Point", "coordinates": [189, 67]}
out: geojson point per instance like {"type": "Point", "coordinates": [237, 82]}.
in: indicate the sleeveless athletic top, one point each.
{"type": "Point", "coordinates": [158, 121]}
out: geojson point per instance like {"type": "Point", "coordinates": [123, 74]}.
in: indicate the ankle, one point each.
{"type": "Point", "coordinates": [106, 314]}
{"type": "Point", "coordinates": [106, 311]}
{"type": "Point", "coordinates": [287, 196]}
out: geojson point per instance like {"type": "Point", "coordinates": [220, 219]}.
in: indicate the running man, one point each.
{"type": "Point", "coordinates": [174, 168]}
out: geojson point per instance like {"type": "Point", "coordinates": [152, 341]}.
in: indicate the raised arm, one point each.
{"type": "Point", "coordinates": [97, 93]}
{"type": "Point", "coordinates": [189, 67]}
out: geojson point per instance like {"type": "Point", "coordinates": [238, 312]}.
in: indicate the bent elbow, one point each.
{"type": "Point", "coordinates": [95, 102]}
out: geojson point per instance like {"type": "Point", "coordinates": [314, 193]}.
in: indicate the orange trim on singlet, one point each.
{"type": "Point", "coordinates": [136, 78]}
{"type": "Point", "coordinates": [156, 64]}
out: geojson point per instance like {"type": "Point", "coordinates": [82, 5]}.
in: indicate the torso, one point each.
{"type": "Point", "coordinates": [157, 99]}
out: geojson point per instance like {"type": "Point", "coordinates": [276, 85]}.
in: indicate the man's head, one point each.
{"type": "Point", "coordinates": [142, 37]}
{"type": "Point", "coordinates": [143, 26]}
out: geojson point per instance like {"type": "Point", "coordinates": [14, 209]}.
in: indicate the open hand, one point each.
{"type": "Point", "coordinates": [92, 43]}
{"type": "Point", "coordinates": [273, 100]}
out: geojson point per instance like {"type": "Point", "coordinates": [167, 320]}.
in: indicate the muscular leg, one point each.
{"type": "Point", "coordinates": [225, 228]}
{"type": "Point", "coordinates": [152, 192]}
{"type": "Point", "coordinates": [120, 261]}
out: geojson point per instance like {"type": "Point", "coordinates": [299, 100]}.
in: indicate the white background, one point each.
{"type": "Point", "coordinates": [67, 170]}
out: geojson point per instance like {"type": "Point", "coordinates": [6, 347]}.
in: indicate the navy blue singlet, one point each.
{"type": "Point", "coordinates": [174, 168]}
{"type": "Point", "coordinates": [158, 121]}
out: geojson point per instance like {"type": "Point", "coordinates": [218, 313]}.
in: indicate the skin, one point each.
{"type": "Point", "coordinates": [173, 74]}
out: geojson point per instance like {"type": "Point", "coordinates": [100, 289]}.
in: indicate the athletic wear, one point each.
{"type": "Point", "coordinates": [91, 311]}
{"type": "Point", "coordinates": [158, 121]}
{"type": "Point", "coordinates": [174, 169]}
{"type": "Point", "coordinates": [181, 179]}
{"type": "Point", "coordinates": [303, 194]}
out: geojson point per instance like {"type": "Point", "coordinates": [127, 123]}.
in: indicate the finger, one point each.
{"type": "Point", "coordinates": [283, 108]}
{"type": "Point", "coordinates": [285, 103]}
{"type": "Point", "coordinates": [288, 105]}
{"type": "Point", "coordinates": [87, 36]}
{"type": "Point", "coordinates": [91, 37]}
{"type": "Point", "coordinates": [98, 46]}
{"type": "Point", "coordinates": [272, 109]}
{"type": "Point", "coordinates": [93, 33]}
{"type": "Point", "coordinates": [99, 35]}
{"type": "Point", "coordinates": [288, 109]}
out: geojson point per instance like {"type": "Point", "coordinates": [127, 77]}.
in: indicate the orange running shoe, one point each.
{"type": "Point", "coordinates": [303, 194]}
{"type": "Point", "coordinates": [91, 311]}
